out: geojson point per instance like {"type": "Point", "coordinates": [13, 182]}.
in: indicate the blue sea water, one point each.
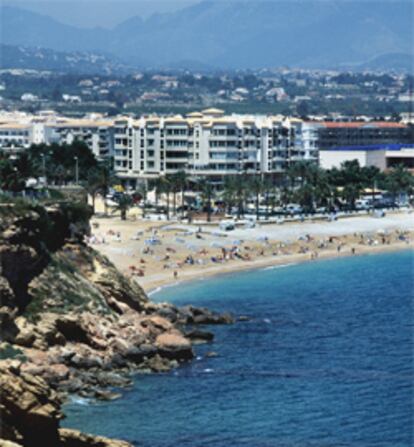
{"type": "Point", "coordinates": [326, 360]}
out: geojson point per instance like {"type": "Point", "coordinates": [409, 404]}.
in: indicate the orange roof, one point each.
{"type": "Point", "coordinates": [351, 125]}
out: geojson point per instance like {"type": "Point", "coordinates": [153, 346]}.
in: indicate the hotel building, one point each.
{"type": "Point", "coordinates": [209, 144]}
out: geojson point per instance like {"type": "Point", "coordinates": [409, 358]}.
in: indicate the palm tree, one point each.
{"type": "Point", "coordinates": [182, 182]}
{"type": "Point", "coordinates": [206, 195]}
{"type": "Point", "coordinates": [267, 187]}
{"type": "Point", "coordinates": [399, 180]}
{"type": "Point", "coordinates": [240, 188]}
{"type": "Point", "coordinates": [142, 192]}
{"type": "Point", "coordinates": [93, 185]}
{"type": "Point", "coordinates": [157, 185]}
{"type": "Point", "coordinates": [175, 187]}
{"type": "Point", "coordinates": [123, 205]}
{"type": "Point", "coordinates": [256, 186]}
{"type": "Point", "coordinates": [229, 194]}
{"type": "Point", "coordinates": [99, 180]}
{"type": "Point", "coordinates": [107, 180]}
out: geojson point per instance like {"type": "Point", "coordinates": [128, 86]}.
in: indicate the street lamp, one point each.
{"type": "Point", "coordinates": [44, 167]}
{"type": "Point", "coordinates": [76, 170]}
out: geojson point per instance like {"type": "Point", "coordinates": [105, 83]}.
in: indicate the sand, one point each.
{"type": "Point", "coordinates": [126, 243]}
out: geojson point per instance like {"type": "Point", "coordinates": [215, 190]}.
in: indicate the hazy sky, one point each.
{"type": "Point", "coordinates": [90, 13]}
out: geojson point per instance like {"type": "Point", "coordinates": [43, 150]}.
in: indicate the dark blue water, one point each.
{"type": "Point", "coordinates": [327, 360]}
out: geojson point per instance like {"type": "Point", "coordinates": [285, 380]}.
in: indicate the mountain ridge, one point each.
{"type": "Point", "coordinates": [232, 35]}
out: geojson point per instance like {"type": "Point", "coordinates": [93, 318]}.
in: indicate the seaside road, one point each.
{"type": "Point", "coordinates": [343, 226]}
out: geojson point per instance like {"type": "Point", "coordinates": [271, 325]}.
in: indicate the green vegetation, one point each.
{"type": "Point", "coordinates": [9, 352]}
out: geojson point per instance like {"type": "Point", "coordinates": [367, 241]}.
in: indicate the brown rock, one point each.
{"type": "Point", "coordinates": [174, 346]}
{"type": "Point", "coordinates": [74, 438]}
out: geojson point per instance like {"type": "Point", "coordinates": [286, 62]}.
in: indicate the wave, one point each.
{"type": "Point", "coordinates": [160, 288]}
{"type": "Point", "coordinates": [78, 400]}
{"type": "Point", "coordinates": [273, 267]}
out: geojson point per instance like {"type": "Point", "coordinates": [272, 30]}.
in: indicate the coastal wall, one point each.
{"type": "Point", "coordinates": [71, 323]}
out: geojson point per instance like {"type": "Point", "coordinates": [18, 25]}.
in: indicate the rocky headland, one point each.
{"type": "Point", "coordinates": [72, 323]}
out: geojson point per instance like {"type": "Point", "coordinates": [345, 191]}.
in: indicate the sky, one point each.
{"type": "Point", "coordinates": [104, 13]}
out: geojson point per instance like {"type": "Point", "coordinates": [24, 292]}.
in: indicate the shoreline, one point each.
{"type": "Point", "coordinates": [182, 252]}
{"type": "Point", "coordinates": [152, 287]}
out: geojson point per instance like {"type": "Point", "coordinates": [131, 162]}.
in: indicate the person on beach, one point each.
{"type": "Point", "coordinates": [175, 274]}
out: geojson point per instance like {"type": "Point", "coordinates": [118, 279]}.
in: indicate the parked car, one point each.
{"type": "Point", "coordinates": [293, 208]}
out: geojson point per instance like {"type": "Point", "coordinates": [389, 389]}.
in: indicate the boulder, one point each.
{"type": "Point", "coordinates": [74, 438]}
{"type": "Point", "coordinates": [197, 336]}
{"type": "Point", "coordinates": [174, 346]}
{"type": "Point", "coordinates": [30, 409]}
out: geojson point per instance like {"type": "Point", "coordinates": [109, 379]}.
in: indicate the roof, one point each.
{"type": "Point", "coordinates": [366, 125]}
{"type": "Point", "coordinates": [14, 126]}
{"type": "Point", "coordinates": [213, 111]}
{"type": "Point", "coordinates": [373, 147]}
{"type": "Point", "coordinates": [195, 115]}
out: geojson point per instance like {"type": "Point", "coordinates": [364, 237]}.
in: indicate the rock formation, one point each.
{"type": "Point", "coordinates": [71, 323]}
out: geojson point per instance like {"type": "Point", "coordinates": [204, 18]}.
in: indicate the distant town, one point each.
{"type": "Point", "coordinates": [295, 92]}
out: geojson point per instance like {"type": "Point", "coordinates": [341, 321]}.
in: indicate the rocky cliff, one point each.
{"type": "Point", "coordinates": [71, 323]}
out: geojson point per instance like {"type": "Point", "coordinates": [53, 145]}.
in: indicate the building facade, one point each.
{"type": "Point", "coordinates": [209, 144]}
{"type": "Point", "coordinates": [382, 156]}
{"type": "Point", "coordinates": [339, 134]}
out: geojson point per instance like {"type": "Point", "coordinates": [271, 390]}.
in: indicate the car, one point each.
{"type": "Point", "coordinates": [384, 203]}
{"type": "Point", "coordinates": [293, 208]}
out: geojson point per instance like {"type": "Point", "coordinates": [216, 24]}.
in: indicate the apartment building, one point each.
{"type": "Point", "coordinates": [15, 136]}
{"type": "Point", "coordinates": [209, 144]}
{"type": "Point", "coordinates": [18, 131]}
{"type": "Point", "coordinates": [96, 134]}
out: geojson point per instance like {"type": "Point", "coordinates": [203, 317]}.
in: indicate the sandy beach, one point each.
{"type": "Point", "coordinates": [158, 253]}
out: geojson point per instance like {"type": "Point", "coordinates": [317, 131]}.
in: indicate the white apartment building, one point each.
{"type": "Point", "coordinates": [209, 144]}
{"type": "Point", "coordinates": [97, 134]}
{"type": "Point", "coordinates": [15, 136]}
{"type": "Point", "coordinates": [18, 131]}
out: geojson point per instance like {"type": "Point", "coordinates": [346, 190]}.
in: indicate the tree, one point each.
{"type": "Point", "coordinates": [207, 192]}
{"type": "Point", "coordinates": [142, 192]}
{"type": "Point", "coordinates": [124, 204]}
{"type": "Point", "coordinates": [350, 179]}
{"type": "Point", "coordinates": [10, 178]}
{"type": "Point", "coordinates": [240, 189]}
{"type": "Point", "coordinates": [61, 160]}
{"type": "Point", "coordinates": [181, 179]}
{"type": "Point", "coordinates": [99, 180]}
{"type": "Point", "coordinates": [399, 180]}
{"type": "Point", "coordinates": [93, 185]}
{"type": "Point", "coordinates": [256, 187]}
{"type": "Point", "coordinates": [229, 194]}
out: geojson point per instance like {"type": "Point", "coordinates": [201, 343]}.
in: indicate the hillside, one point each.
{"type": "Point", "coordinates": [242, 34]}
{"type": "Point", "coordinates": [68, 62]}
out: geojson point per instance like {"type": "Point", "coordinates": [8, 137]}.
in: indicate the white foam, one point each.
{"type": "Point", "coordinates": [273, 267]}
{"type": "Point", "coordinates": [78, 400]}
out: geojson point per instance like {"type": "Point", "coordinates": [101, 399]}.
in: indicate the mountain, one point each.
{"type": "Point", "coordinates": [68, 62]}
{"type": "Point", "coordinates": [236, 34]}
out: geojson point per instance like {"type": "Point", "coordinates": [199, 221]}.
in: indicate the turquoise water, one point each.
{"type": "Point", "coordinates": [326, 360]}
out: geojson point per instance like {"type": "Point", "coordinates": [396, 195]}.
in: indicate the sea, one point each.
{"type": "Point", "coordinates": [325, 359]}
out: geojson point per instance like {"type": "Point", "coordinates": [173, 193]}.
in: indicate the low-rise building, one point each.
{"type": "Point", "coordinates": [383, 156]}
{"type": "Point", "coordinates": [338, 134]}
